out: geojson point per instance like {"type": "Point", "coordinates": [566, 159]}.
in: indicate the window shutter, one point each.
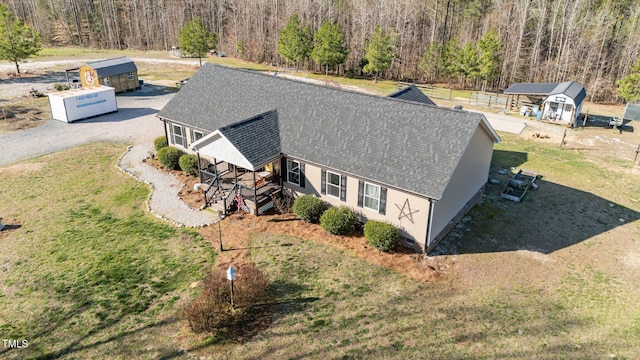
{"type": "Point", "coordinates": [360, 193]}
{"type": "Point", "coordinates": [323, 182]}
{"type": "Point", "coordinates": [343, 188]}
{"type": "Point", "coordinates": [301, 175]}
{"type": "Point", "coordinates": [383, 201]}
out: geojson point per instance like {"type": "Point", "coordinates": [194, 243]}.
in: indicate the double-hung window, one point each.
{"type": "Point", "coordinates": [196, 135]}
{"type": "Point", "coordinates": [177, 135]}
{"type": "Point", "coordinates": [293, 172]}
{"type": "Point", "coordinates": [333, 184]}
{"type": "Point", "coordinates": [130, 74]}
{"type": "Point", "coordinates": [371, 196]}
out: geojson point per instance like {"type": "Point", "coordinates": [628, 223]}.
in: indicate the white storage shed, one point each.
{"type": "Point", "coordinates": [76, 104]}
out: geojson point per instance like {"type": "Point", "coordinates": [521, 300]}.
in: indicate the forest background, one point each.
{"type": "Point", "coordinates": [594, 42]}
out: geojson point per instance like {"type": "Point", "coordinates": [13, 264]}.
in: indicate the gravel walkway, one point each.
{"type": "Point", "coordinates": [163, 201]}
{"type": "Point", "coordinates": [134, 123]}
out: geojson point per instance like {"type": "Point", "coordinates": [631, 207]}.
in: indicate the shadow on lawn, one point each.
{"type": "Point", "coordinates": [288, 299]}
{"type": "Point", "coordinates": [550, 218]}
{"type": "Point", "coordinates": [396, 326]}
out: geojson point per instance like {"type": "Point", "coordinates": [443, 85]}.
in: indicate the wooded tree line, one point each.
{"type": "Point", "coordinates": [594, 42]}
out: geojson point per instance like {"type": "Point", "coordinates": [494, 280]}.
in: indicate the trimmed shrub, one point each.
{"type": "Point", "coordinates": [309, 208]}
{"type": "Point", "coordinates": [170, 157]}
{"type": "Point", "coordinates": [60, 86]}
{"type": "Point", "coordinates": [160, 143]}
{"type": "Point", "coordinates": [381, 235]}
{"type": "Point", "coordinates": [189, 164]}
{"type": "Point", "coordinates": [211, 311]}
{"type": "Point", "coordinates": [338, 220]}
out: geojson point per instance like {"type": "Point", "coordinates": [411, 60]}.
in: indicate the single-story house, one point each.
{"type": "Point", "coordinates": [560, 102]}
{"type": "Point", "coordinates": [417, 166]}
{"type": "Point", "coordinates": [120, 73]}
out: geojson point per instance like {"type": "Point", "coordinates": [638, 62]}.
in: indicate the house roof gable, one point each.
{"type": "Point", "coordinates": [257, 138]}
{"type": "Point", "coordinates": [406, 145]}
{"type": "Point", "coordinates": [412, 93]}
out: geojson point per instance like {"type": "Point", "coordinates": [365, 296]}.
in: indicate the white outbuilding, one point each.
{"type": "Point", "coordinates": [562, 102]}
{"type": "Point", "coordinates": [77, 104]}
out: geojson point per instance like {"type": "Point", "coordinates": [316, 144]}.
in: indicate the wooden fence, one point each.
{"type": "Point", "coordinates": [431, 91]}
{"type": "Point", "coordinates": [488, 99]}
{"type": "Point", "coordinates": [478, 98]}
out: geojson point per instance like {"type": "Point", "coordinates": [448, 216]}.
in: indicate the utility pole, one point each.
{"type": "Point", "coordinates": [564, 142]}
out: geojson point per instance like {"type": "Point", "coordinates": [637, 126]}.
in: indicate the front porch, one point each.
{"type": "Point", "coordinates": [228, 187]}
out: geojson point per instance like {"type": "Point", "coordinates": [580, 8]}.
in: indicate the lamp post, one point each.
{"type": "Point", "coordinates": [231, 275]}
{"type": "Point", "coordinates": [220, 217]}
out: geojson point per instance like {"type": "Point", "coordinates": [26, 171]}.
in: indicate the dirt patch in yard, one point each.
{"type": "Point", "coordinates": [239, 229]}
{"type": "Point", "coordinates": [8, 225]}
{"type": "Point", "coordinates": [23, 113]}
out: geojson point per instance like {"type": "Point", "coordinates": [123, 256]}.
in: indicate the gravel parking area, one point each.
{"type": "Point", "coordinates": [135, 122]}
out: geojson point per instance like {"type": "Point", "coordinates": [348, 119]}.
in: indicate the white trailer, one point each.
{"type": "Point", "coordinates": [76, 104]}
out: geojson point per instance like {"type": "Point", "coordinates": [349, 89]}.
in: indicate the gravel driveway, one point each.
{"type": "Point", "coordinates": [134, 123]}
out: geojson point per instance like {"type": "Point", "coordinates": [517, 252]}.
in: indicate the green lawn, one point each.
{"type": "Point", "coordinates": [89, 273]}
{"type": "Point", "coordinates": [334, 305]}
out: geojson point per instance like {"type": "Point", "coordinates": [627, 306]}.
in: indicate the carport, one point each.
{"type": "Point", "coordinates": [559, 102]}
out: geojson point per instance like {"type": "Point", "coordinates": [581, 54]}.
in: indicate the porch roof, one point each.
{"type": "Point", "coordinates": [257, 140]}
{"type": "Point", "coordinates": [402, 144]}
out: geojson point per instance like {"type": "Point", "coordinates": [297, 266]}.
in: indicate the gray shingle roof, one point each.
{"type": "Point", "coordinates": [412, 93]}
{"type": "Point", "coordinates": [571, 89]}
{"type": "Point", "coordinates": [109, 67]}
{"type": "Point", "coordinates": [258, 138]}
{"type": "Point", "coordinates": [531, 88]}
{"type": "Point", "coordinates": [406, 145]}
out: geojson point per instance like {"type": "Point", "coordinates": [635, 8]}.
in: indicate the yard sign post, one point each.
{"type": "Point", "coordinates": [220, 217]}
{"type": "Point", "coordinates": [231, 275]}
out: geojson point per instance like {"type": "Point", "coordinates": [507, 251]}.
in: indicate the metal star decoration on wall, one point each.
{"type": "Point", "coordinates": [405, 211]}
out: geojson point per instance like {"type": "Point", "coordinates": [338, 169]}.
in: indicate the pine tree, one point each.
{"type": "Point", "coordinates": [431, 63]}
{"type": "Point", "coordinates": [489, 63]}
{"type": "Point", "coordinates": [468, 62]}
{"type": "Point", "coordinates": [18, 40]}
{"type": "Point", "coordinates": [329, 46]}
{"type": "Point", "coordinates": [295, 41]}
{"type": "Point", "coordinates": [196, 39]}
{"type": "Point", "coordinates": [629, 86]}
{"type": "Point", "coordinates": [451, 58]}
{"type": "Point", "coordinates": [379, 53]}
